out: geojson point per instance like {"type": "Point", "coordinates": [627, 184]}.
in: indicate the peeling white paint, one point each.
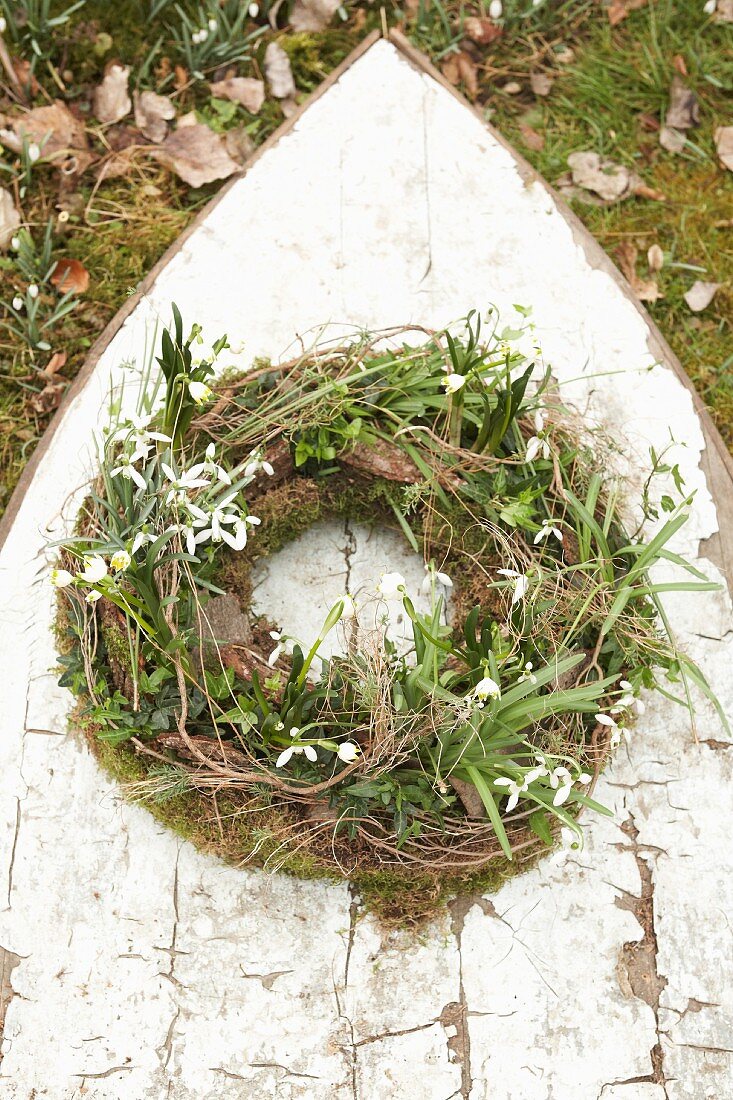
{"type": "Point", "coordinates": [148, 970]}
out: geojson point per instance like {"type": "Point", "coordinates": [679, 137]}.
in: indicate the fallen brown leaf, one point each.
{"type": "Point", "coordinates": [54, 129]}
{"type": "Point", "coordinates": [153, 112]}
{"type": "Point", "coordinates": [611, 182]}
{"type": "Point", "coordinates": [700, 295]}
{"type": "Point", "coordinates": [197, 155]}
{"type": "Point", "coordinates": [531, 138]}
{"type": "Point", "coordinates": [724, 146]}
{"type": "Point", "coordinates": [541, 83]}
{"type": "Point", "coordinates": [459, 68]}
{"type": "Point", "coordinates": [246, 91]}
{"type": "Point", "coordinates": [648, 122]}
{"type": "Point", "coordinates": [278, 73]}
{"type": "Point", "coordinates": [646, 290]}
{"type": "Point", "coordinates": [684, 110]}
{"type": "Point", "coordinates": [70, 276]}
{"type": "Point", "coordinates": [679, 64]}
{"type": "Point", "coordinates": [672, 140]}
{"type": "Point", "coordinates": [724, 11]}
{"type": "Point", "coordinates": [112, 97]}
{"type": "Point", "coordinates": [617, 10]}
{"type": "Point", "coordinates": [313, 15]}
{"type": "Point", "coordinates": [239, 144]}
{"type": "Point", "coordinates": [643, 191]}
{"type": "Point", "coordinates": [55, 363]}
{"type": "Point", "coordinates": [655, 258]}
{"type": "Point", "coordinates": [49, 398]}
{"type": "Point", "coordinates": [119, 165]}
{"type": "Point", "coordinates": [481, 31]}
{"type": "Point", "coordinates": [9, 219]}
{"type": "Point", "coordinates": [180, 77]}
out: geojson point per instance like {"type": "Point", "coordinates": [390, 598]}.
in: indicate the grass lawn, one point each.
{"type": "Point", "coordinates": [609, 90]}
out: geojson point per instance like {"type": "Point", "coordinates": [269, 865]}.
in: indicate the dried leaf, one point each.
{"type": "Point", "coordinates": [617, 10]}
{"type": "Point", "coordinates": [49, 398]}
{"type": "Point", "coordinates": [481, 31]}
{"type": "Point", "coordinates": [724, 146]}
{"type": "Point", "coordinates": [459, 68]}
{"type": "Point", "coordinates": [643, 191]}
{"type": "Point", "coordinates": [112, 97]}
{"type": "Point", "coordinates": [513, 87]}
{"type": "Point", "coordinates": [119, 165]}
{"type": "Point", "coordinates": [9, 219]}
{"type": "Point", "coordinates": [672, 140]}
{"type": "Point", "coordinates": [724, 11]}
{"type": "Point", "coordinates": [153, 112]}
{"type": "Point", "coordinates": [70, 276]}
{"type": "Point", "coordinates": [649, 122]}
{"type": "Point", "coordinates": [655, 258]}
{"type": "Point", "coordinates": [239, 144]}
{"type": "Point", "coordinates": [646, 290]}
{"type": "Point", "coordinates": [679, 64]}
{"type": "Point", "coordinates": [180, 78]}
{"type": "Point", "coordinates": [611, 182]}
{"type": "Point", "coordinates": [313, 15]}
{"type": "Point", "coordinates": [531, 138]}
{"type": "Point", "coordinates": [55, 363]}
{"type": "Point", "coordinates": [700, 295]}
{"type": "Point", "coordinates": [54, 129]}
{"type": "Point", "coordinates": [197, 155]}
{"type": "Point", "coordinates": [684, 110]}
{"type": "Point", "coordinates": [278, 73]}
{"type": "Point", "coordinates": [244, 90]}
{"type": "Point", "coordinates": [541, 83]}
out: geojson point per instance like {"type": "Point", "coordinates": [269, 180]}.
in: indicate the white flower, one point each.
{"type": "Point", "coordinates": [61, 578]}
{"type": "Point", "coordinates": [548, 528]}
{"type": "Point", "coordinates": [348, 609]}
{"type": "Point", "coordinates": [537, 444]}
{"type": "Point", "coordinates": [32, 291]}
{"type": "Point", "coordinates": [257, 463]}
{"type": "Point", "coordinates": [141, 538]}
{"type": "Point", "coordinates": [561, 781]}
{"type": "Point", "coordinates": [628, 699]}
{"type": "Point", "coordinates": [514, 790]}
{"type": "Point", "coordinates": [120, 560]}
{"type": "Point", "coordinates": [93, 596]}
{"type": "Point", "coordinates": [485, 689]}
{"type": "Point", "coordinates": [568, 843]}
{"type": "Point", "coordinates": [527, 674]}
{"type": "Point", "coordinates": [181, 483]}
{"type": "Point", "coordinates": [584, 779]}
{"type": "Point", "coordinates": [15, 243]}
{"type": "Point", "coordinates": [199, 391]}
{"type": "Point", "coordinates": [709, 7]}
{"type": "Point", "coordinates": [18, 302]}
{"type": "Point", "coordinates": [617, 732]}
{"type": "Point", "coordinates": [391, 586]}
{"type": "Point", "coordinates": [521, 583]}
{"type": "Point", "coordinates": [347, 751]}
{"type": "Point", "coordinates": [441, 578]}
{"type": "Point", "coordinates": [34, 152]}
{"type": "Point", "coordinates": [295, 750]}
{"type": "Point", "coordinates": [254, 10]}
{"type": "Point", "coordinates": [95, 569]}
{"type": "Point", "coordinates": [284, 645]}
{"type": "Point", "coordinates": [211, 467]}
{"type": "Point", "coordinates": [496, 9]}
{"type": "Point", "coordinates": [213, 25]}
{"type": "Point", "coordinates": [135, 432]}
{"type": "Point", "coordinates": [538, 772]}
{"type": "Point", "coordinates": [3, 24]}
{"type": "Point", "coordinates": [128, 470]}
{"type": "Point", "coordinates": [453, 382]}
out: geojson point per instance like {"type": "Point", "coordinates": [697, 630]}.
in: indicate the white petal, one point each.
{"type": "Point", "coordinates": [284, 757]}
{"type": "Point", "coordinates": [562, 795]}
{"type": "Point", "coordinates": [533, 447]}
{"type": "Point", "coordinates": [310, 753]}
{"type": "Point", "coordinates": [513, 799]}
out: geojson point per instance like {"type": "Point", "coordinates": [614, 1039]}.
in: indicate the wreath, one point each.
{"type": "Point", "coordinates": [415, 772]}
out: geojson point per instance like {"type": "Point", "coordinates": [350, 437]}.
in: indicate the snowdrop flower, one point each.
{"type": "Point", "coordinates": [283, 646]}
{"type": "Point", "coordinates": [709, 7]}
{"type": "Point", "coordinates": [348, 610]}
{"type": "Point", "coordinates": [211, 467]}
{"type": "Point", "coordinates": [141, 538]}
{"type": "Point", "coordinates": [527, 674]}
{"type": "Point", "coordinates": [93, 596]}
{"type": "Point", "coordinates": [391, 586]}
{"type": "Point", "coordinates": [441, 578]}
{"type": "Point", "coordinates": [568, 843]}
{"type": "Point", "coordinates": [538, 772]}
{"type": "Point", "coordinates": [181, 484]}
{"type": "Point", "coordinates": [61, 578]}
{"type": "Point", "coordinates": [135, 431]}
{"type": "Point", "coordinates": [128, 470]}
{"type": "Point", "coordinates": [18, 302]}
{"type": "Point", "coordinates": [237, 538]}
{"type": "Point", "coordinates": [199, 391]}
{"type": "Point", "coordinates": [347, 751]}
{"type": "Point", "coordinates": [537, 444]}
{"type": "Point", "coordinates": [617, 732]}
{"type": "Point", "coordinates": [521, 583]}
{"type": "Point", "coordinates": [561, 781]}
{"type": "Point", "coordinates": [485, 689]}
{"type": "Point", "coordinates": [213, 25]}
{"type": "Point", "coordinates": [257, 463]}
{"type": "Point", "coordinates": [34, 152]}
{"type": "Point", "coordinates": [120, 560]}
{"type": "Point", "coordinates": [254, 10]}
{"type": "Point", "coordinates": [15, 243]}
{"type": "Point", "coordinates": [32, 291]}
{"type": "Point", "coordinates": [295, 750]}
{"type": "Point", "coordinates": [3, 24]}
{"type": "Point", "coordinates": [453, 382]}
{"type": "Point", "coordinates": [496, 9]}
{"type": "Point", "coordinates": [515, 788]}
{"type": "Point", "coordinates": [95, 569]}
{"type": "Point", "coordinates": [628, 699]}
{"type": "Point", "coordinates": [548, 528]}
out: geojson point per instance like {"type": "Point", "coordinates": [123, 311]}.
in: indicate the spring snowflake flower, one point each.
{"type": "Point", "coordinates": [61, 578]}
{"type": "Point", "coordinates": [453, 382]}
{"type": "Point", "coordinates": [256, 463]}
{"type": "Point", "coordinates": [128, 470]}
{"type": "Point", "coordinates": [93, 596]}
{"type": "Point", "coordinates": [120, 560]}
{"type": "Point", "coordinates": [348, 752]}
{"type": "Point", "coordinates": [391, 586]}
{"type": "Point", "coordinates": [618, 733]}
{"type": "Point", "coordinates": [538, 444]}
{"type": "Point", "coordinates": [200, 392]}
{"type": "Point", "coordinates": [515, 789]}
{"type": "Point", "coordinates": [485, 689]}
{"type": "Point", "coordinates": [521, 583]}
{"type": "Point", "coordinates": [548, 528]}
{"type": "Point", "coordinates": [95, 569]}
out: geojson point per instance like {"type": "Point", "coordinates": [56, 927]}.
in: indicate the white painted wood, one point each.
{"type": "Point", "coordinates": [149, 970]}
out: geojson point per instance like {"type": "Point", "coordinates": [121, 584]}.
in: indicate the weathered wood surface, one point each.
{"type": "Point", "coordinates": [135, 967]}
